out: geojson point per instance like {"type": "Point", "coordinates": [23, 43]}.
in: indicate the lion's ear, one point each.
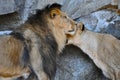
{"type": "Point", "coordinates": [54, 13]}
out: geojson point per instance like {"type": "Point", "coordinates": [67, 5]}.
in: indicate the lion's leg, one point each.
{"type": "Point", "coordinates": [117, 75]}
{"type": "Point", "coordinates": [42, 75]}
{"type": "Point", "coordinates": [32, 76]}
{"type": "Point", "coordinates": [20, 78]}
{"type": "Point", "coordinates": [39, 75]}
{"type": "Point", "coordinates": [36, 63]}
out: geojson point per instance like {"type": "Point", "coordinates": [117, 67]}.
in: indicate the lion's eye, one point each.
{"type": "Point", "coordinates": [54, 14]}
{"type": "Point", "coordinates": [65, 16]}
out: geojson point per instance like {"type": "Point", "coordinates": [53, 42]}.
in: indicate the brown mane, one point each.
{"type": "Point", "coordinates": [40, 16]}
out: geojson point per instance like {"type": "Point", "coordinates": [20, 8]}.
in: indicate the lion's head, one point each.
{"type": "Point", "coordinates": [61, 21]}
{"type": "Point", "coordinates": [58, 22]}
{"type": "Point", "coordinates": [63, 25]}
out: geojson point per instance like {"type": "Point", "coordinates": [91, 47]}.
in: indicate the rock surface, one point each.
{"type": "Point", "coordinates": [78, 8]}
{"type": "Point", "coordinates": [103, 22]}
{"type": "Point", "coordinates": [7, 6]}
{"type": "Point", "coordinates": [20, 10]}
{"type": "Point", "coordinates": [73, 64]}
{"type": "Point", "coordinates": [23, 8]}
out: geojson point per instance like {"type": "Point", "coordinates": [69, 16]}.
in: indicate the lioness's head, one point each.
{"type": "Point", "coordinates": [75, 37]}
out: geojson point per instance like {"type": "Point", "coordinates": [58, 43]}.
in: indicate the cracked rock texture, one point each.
{"type": "Point", "coordinates": [103, 22]}
{"type": "Point", "coordinates": [72, 64]}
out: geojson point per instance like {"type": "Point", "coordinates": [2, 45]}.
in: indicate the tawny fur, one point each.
{"type": "Point", "coordinates": [44, 35]}
{"type": "Point", "coordinates": [103, 49]}
{"type": "Point", "coordinates": [10, 52]}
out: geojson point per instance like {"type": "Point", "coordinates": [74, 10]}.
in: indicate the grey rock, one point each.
{"type": "Point", "coordinates": [75, 8]}
{"type": "Point", "coordinates": [73, 64]}
{"type": "Point", "coordinates": [103, 22]}
{"type": "Point", "coordinates": [43, 3]}
{"type": "Point", "coordinates": [19, 11]}
{"type": "Point", "coordinates": [27, 9]}
{"type": "Point", "coordinates": [113, 28]}
{"type": "Point", "coordinates": [7, 6]}
{"type": "Point", "coordinates": [24, 8]}
{"type": "Point", "coordinates": [78, 8]}
{"type": "Point", "coordinates": [10, 21]}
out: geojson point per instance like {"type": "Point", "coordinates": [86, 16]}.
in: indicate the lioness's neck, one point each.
{"type": "Point", "coordinates": [86, 41]}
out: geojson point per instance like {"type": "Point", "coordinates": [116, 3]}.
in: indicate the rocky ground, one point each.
{"type": "Point", "coordinates": [72, 64]}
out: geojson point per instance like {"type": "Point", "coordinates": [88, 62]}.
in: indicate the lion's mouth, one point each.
{"type": "Point", "coordinates": [71, 32]}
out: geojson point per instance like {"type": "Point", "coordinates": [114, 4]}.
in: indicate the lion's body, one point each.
{"type": "Point", "coordinates": [103, 49]}
{"type": "Point", "coordinates": [33, 47]}
{"type": "Point", "coordinates": [10, 50]}
{"type": "Point", "coordinates": [15, 60]}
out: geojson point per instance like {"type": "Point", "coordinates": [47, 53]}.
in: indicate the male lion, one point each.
{"type": "Point", "coordinates": [103, 49]}
{"type": "Point", "coordinates": [33, 47]}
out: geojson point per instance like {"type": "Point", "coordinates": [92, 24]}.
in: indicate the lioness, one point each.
{"type": "Point", "coordinates": [33, 47]}
{"type": "Point", "coordinates": [103, 49]}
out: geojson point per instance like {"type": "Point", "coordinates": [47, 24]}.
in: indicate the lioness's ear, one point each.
{"type": "Point", "coordinates": [81, 26]}
{"type": "Point", "coordinates": [54, 13]}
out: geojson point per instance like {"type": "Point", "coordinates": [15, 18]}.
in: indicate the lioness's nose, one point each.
{"type": "Point", "coordinates": [76, 23]}
{"type": "Point", "coordinates": [80, 24]}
